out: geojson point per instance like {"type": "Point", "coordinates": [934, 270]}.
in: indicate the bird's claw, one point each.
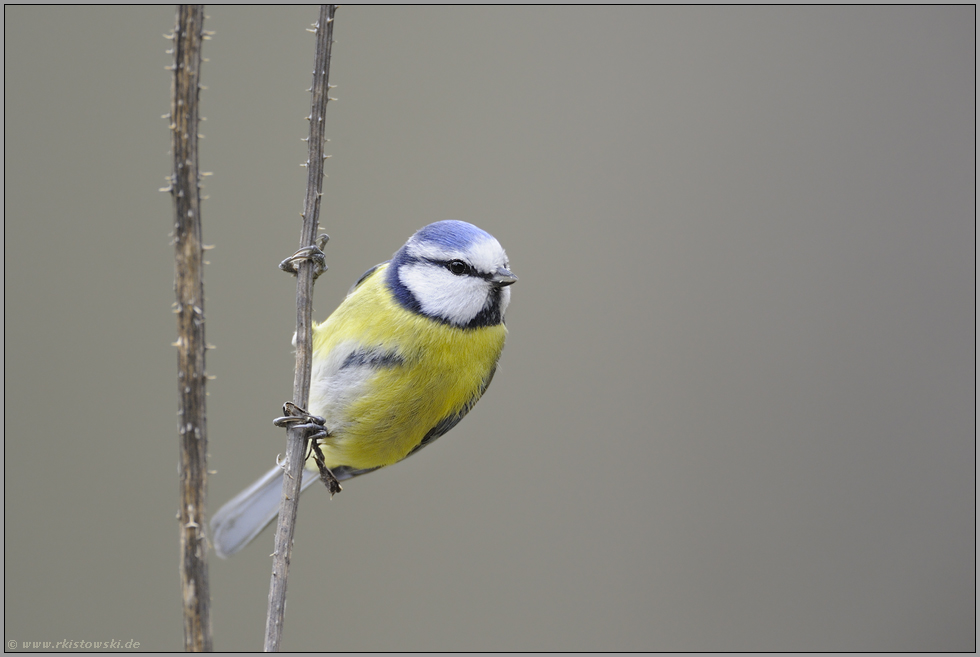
{"type": "Point", "coordinates": [313, 253]}
{"type": "Point", "coordinates": [294, 416]}
{"type": "Point", "coordinates": [297, 418]}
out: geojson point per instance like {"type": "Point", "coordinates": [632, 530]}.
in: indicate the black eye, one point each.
{"type": "Point", "coordinates": [458, 267]}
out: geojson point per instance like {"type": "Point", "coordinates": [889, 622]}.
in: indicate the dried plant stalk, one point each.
{"type": "Point", "coordinates": [189, 287]}
{"type": "Point", "coordinates": [296, 442]}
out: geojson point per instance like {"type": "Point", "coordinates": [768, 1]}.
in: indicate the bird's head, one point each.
{"type": "Point", "coordinates": [452, 272]}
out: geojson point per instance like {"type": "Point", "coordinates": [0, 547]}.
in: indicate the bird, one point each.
{"type": "Point", "coordinates": [404, 357]}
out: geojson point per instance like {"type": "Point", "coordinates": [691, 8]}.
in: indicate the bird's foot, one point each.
{"type": "Point", "coordinates": [313, 253]}
{"type": "Point", "coordinates": [297, 418]}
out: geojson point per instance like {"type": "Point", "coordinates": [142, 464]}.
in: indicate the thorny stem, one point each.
{"type": "Point", "coordinates": [189, 287]}
{"type": "Point", "coordinates": [296, 443]}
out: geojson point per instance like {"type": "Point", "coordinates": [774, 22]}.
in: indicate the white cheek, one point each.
{"type": "Point", "coordinates": [457, 299]}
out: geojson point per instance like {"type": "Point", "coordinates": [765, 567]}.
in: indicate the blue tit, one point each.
{"type": "Point", "coordinates": [407, 354]}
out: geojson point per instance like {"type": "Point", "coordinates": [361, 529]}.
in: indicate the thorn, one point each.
{"type": "Point", "coordinates": [165, 116]}
{"type": "Point", "coordinates": [313, 30]}
{"type": "Point", "coordinates": [207, 173]}
{"type": "Point", "coordinates": [168, 37]}
{"type": "Point", "coordinates": [168, 188]}
{"type": "Point", "coordinates": [207, 247]}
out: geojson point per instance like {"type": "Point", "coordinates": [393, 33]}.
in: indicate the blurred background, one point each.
{"type": "Point", "coordinates": [736, 407]}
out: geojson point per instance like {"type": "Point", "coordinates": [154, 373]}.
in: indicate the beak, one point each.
{"type": "Point", "coordinates": [502, 278]}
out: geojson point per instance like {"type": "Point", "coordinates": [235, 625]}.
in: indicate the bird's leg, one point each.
{"type": "Point", "coordinates": [327, 477]}
{"type": "Point", "coordinates": [298, 418]}
{"type": "Point", "coordinates": [313, 253]}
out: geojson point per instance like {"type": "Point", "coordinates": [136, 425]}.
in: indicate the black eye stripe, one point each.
{"type": "Point", "coordinates": [445, 264]}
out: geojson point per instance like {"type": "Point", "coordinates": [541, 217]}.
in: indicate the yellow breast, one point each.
{"type": "Point", "coordinates": [384, 376]}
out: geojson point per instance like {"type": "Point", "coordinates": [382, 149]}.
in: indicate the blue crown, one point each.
{"type": "Point", "coordinates": [452, 234]}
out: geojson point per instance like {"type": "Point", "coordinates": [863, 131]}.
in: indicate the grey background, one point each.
{"type": "Point", "coordinates": [736, 407]}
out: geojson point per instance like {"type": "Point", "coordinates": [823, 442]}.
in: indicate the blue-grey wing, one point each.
{"type": "Point", "coordinates": [365, 276]}
{"type": "Point", "coordinates": [345, 472]}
